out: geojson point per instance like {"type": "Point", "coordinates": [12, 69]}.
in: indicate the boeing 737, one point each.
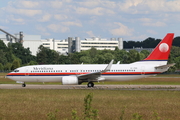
{"type": "Point", "coordinates": [73, 74]}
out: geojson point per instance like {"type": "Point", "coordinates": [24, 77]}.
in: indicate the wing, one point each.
{"type": "Point", "coordinates": [95, 75]}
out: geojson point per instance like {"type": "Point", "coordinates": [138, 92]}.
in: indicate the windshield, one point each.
{"type": "Point", "coordinates": [16, 70]}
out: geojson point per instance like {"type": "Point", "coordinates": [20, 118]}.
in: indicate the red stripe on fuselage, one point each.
{"type": "Point", "coordinates": [61, 74]}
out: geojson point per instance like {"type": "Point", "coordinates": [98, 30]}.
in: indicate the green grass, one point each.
{"type": "Point", "coordinates": [167, 75]}
{"type": "Point", "coordinates": [3, 74]}
{"type": "Point", "coordinates": [36, 104]}
{"type": "Point", "coordinates": [149, 81]}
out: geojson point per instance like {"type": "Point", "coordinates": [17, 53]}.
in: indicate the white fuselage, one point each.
{"type": "Point", "coordinates": [154, 64]}
{"type": "Point", "coordinates": [118, 72]}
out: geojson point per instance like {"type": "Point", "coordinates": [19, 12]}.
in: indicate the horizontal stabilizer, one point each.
{"type": "Point", "coordinates": [165, 66]}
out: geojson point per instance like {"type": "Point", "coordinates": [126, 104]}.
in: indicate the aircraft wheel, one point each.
{"type": "Point", "coordinates": [90, 84]}
{"type": "Point", "coordinates": [24, 85]}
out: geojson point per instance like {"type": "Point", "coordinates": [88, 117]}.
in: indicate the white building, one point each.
{"type": "Point", "coordinates": [77, 45]}
{"type": "Point", "coordinates": [31, 41]}
{"type": "Point", "coordinates": [68, 45]}
{"type": "Point", "coordinates": [101, 44]}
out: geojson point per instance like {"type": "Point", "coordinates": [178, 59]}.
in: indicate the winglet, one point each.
{"type": "Point", "coordinates": [108, 68]}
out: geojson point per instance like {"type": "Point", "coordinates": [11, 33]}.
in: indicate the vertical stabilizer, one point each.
{"type": "Point", "coordinates": [162, 50]}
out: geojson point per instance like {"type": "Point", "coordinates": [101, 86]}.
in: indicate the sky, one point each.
{"type": "Point", "coordinates": [59, 19]}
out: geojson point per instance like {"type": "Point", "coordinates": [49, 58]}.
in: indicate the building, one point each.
{"type": "Point", "coordinates": [69, 45]}
{"type": "Point", "coordinates": [30, 41]}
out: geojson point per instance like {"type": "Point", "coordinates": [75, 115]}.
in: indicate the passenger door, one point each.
{"type": "Point", "coordinates": [142, 70]}
{"type": "Point", "coordinates": [27, 72]}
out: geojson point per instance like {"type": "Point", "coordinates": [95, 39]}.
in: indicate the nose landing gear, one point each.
{"type": "Point", "coordinates": [23, 85]}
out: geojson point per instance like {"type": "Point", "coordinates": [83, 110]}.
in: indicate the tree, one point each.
{"type": "Point", "coordinates": [133, 57]}
{"type": "Point", "coordinates": [10, 56]}
{"type": "Point", "coordinates": [47, 56]}
{"type": "Point", "coordinates": [150, 43]}
{"type": "Point", "coordinates": [147, 43]}
{"type": "Point", "coordinates": [42, 55]}
{"type": "Point", "coordinates": [93, 52]}
{"type": "Point", "coordinates": [7, 66]}
{"type": "Point", "coordinates": [176, 41]}
{"type": "Point", "coordinates": [3, 46]}
{"type": "Point", "coordinates": [63, 59]}
{"type": "Point", "coordinates": [137, 57]}
{"type": "Point", "coordinates": [22, 53]}
{"type": "Point", "coordinates": [116, 49]}
{"type": "Point", "coordinates": [33, 63]}
{"type": "Point", "coordinates": [1, 67]}
{"type": "Point", "coordinates": [85, 60]}
{"type": "Point", "coordinates": [145, 53]}
{"type": "Point", "coordinates": [175, 51]}
{"type": "Point", "coordinates": [53, 57]}
{"type": "Point", "coordinates": [99, 59]}
{"type": "Point", "coordinates": [142, 56]}
{"type": "Point", "coordinates": [119, 55]}
{"type": "Point", "coordinates": [108, 57]}
{"type": "Point", "coordinates": [177, 61]}
{"type": "Point", "coordinates": [3, 59]}
{"type": "Point", "coordinates": [75, 58]}
{"type": "Point", "coordinates": [16, 64]}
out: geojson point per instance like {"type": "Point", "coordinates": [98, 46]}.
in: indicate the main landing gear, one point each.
{"type": "Point", "coordinates": [90, 84]}
{"type": "Point", "coordinates": [23, 85]}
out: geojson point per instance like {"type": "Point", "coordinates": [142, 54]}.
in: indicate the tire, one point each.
{"type": "Point", "coordinates": [24, 85]}
{"type": "Point", "coordinates": [90, 84]}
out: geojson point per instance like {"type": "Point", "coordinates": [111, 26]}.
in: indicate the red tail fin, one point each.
{"type": "Point", "coordinates": [162, 50]}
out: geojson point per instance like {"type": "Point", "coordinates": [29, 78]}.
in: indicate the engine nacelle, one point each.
{"type": "Point", "coordinates": [70, 80]}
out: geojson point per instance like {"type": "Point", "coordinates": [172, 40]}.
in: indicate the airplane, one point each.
{"type": "Point", "coordinates": [74, 74]}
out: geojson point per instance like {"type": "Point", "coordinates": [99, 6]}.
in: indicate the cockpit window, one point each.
{"type": "Point", "coordinates": [16, 70]}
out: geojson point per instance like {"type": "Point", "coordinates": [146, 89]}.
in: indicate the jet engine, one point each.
{"type": "Point", "coordinates": [70, 80]}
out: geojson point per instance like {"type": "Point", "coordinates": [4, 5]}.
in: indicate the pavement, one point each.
{"type": "Point", "coordinates": [98, 87]}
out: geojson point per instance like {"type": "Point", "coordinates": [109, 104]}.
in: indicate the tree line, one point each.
{"type": "Point", "coordinates": [15, 55]}
{"type": "Point", "coordinates": [148, 43]}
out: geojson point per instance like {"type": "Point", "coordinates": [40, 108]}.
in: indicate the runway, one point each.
{"type": "Point", "coordinates": [96, 87]}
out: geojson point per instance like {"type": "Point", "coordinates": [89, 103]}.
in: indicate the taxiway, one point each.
{"type": "Point", "coordinates": [100, 87]}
